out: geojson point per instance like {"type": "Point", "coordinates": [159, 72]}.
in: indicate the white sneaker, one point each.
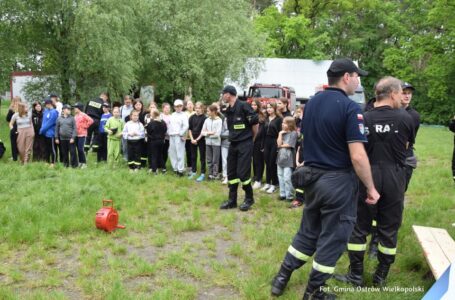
{"type": "Point", "coordinates": [256, 185]}
{"type": "Point", "coordinates": [265, 187]}
{"type": "Point", "coordinates": [225, 180]}
{"type": "Point", "coordinates": [83, 166]}
{"type": "Point", "coordinates": [271, 190]}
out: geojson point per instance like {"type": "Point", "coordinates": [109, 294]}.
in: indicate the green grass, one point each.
{"type": "Point", "coordinates": [177, 243]}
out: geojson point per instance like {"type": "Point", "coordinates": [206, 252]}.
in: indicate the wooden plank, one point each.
{"type": "Point", "coordinates": [434, 255]}
{"type": "Point", "coordinates": [446, 243]}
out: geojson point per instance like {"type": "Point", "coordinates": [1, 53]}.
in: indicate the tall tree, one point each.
{"type": "Point", "coordinates": [114, 45]}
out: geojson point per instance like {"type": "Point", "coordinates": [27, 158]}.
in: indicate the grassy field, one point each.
{"type": "Point", "coordinates": [177, 243]}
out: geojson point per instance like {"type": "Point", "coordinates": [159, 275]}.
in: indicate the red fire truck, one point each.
{"type": "Point", "coordinates": [267, 93]}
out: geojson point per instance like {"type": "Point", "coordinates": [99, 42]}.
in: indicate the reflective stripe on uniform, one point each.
{"type": "Point", "coordinates": [246, 182]}
{"type": "Point", "coordinates": [357, 247]}
{"type": "Point", "coordinates": [374, 223]}
{"type": "Point", "coordinates": [137, 163]}
{"type": "Point", "coordinates": [297, 254]}
{"type": "Point", "coordinates": [239, 126]}
{"type": "Point", "coordinates": [322, 268]}
{"type": "Point", "coordinates": [234, 181]}
{"type": "Point", "coordinates": [299, 191]}
{"type": "Point", "coordinates": [388, 251]}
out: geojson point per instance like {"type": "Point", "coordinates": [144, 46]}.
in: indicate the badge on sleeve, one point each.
{"type": "Point", "coordinates": [361, 128]}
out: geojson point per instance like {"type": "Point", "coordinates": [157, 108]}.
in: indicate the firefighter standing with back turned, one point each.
{"type": "Point", "coordinates": [242, 124]}
{"type": "Point", "coordinates": [390, 131]}
{"type": "Point", "coordinates": [333, 150]}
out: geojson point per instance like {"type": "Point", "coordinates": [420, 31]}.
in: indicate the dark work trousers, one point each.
{"type": "Point", "coordinates": [194, 149]}
{"type": "Point", "coordinates": [50, 150]}
{"type": "Point", "coordinates": [102, 147]}
{"type": "Point", "coordinates": [258, 161]}
{"type": "Point", "coordinates": [68, 153]}
{"type": "Point", "coordinates": [165, 152]}
{"type": "Point", "coordinates": [390, 181]}
{"type": "Point", "coordinates": [13, 139]}
{"type": "Point", "coordinates": [134, 153]}
{"type": "Point", "coordinates": [409, 171]}
{"type": "Point", "coordinates": [270, 153]}
{"type": "Point", "coordinates": [39, 148]}
{"type": "Point", "coordinates": [239, 168]}
{"type": "Point", "coordinates": [155, 154]}
{"type": "Point", "coordinates": [92, 135]}
{"type": "Point", "coordinates": [327, 222]}
{"type": "Point", "coordinates": [80, 143]}
{"type": "Point", "coordinates": [188, 153]}
{"type": "Point", "coordinates": [144, 155]}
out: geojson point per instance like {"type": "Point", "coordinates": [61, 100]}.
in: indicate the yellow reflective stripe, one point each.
{"type": "Point", "coordinates": [374, 223]}
{"type": "Point", "coordinates": [137, 163]}
{"type": "Point", "coordinates": [299, 191]}
{"type": "Point", "coordinates": [388, 251]}
{"type": "Point", "coordinates": [357, 247]}
{"type": "Point", "coordinates": [239, 126]}
{"type": "Point", "coordinates": [322, 268]}
{"type": "Point", "coordinates": [246, 182]}
{"type": "Point", "coordinates": [234, 181]}
{"type": "Point", "coordinates": [297, 254]}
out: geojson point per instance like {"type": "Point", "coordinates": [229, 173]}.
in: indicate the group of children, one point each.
{"type": "Point", "coordinates": [150, 137]}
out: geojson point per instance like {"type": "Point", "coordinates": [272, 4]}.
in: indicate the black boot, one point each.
{"type": "Point", "coordinates": [246, 205]}
{"type": "Point", "coordinates": [355, 273]}
{"type": "Point", "coordinates": [279, 282]}
{"type": "Point", "coordinates": [317, 294]}
{"type": "Point", "coordinates": [249, 200]}
{"type": "Point", "coordinates": [354, 276]}
{"type": "Point", "coordinates": [228, 204]}
{"type": "Point", "coordinates": [380, 276]}
{"type": "Point", "coordinates": [232, 202]}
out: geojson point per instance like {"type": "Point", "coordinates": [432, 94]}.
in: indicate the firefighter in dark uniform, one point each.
{"type": "Point", "coordinates": [411, 160]}
{"type": "Point", "coordinates": [242, 124]}
{"type": "Point", "coordinates": [390, 131]}
{"type": "Point", "coordinates": [333, 150]}
{"type": "Point", "coordinates": [94, 109]}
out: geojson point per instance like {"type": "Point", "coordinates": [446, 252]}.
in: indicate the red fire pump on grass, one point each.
{"type": "Point", "coordinates": [107, 217]}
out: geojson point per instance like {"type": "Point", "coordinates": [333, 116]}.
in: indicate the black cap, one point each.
{"type": "Point", "coordinates": [78, 105]}
{"type": "Point", "coordinates": [51, 95]}
{"type": "Point", "coordinates": [229, 89]}
{"type": "Point", "coordinates": [344, 65]}
{"type": "Point", "coordinates": [66, 106]}
{"type": "Point", "coordinates": [47, 100]}
{"type": "Point", "coordinates": [407, 85]}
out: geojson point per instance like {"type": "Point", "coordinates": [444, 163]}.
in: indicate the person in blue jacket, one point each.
{"type": "Point", "coordinates": [50, 116]}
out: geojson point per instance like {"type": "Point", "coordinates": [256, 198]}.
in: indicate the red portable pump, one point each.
{"type": "Point", "coordinates": [107, 217]}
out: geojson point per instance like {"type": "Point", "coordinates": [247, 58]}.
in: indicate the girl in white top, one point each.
{"type": "Point", "coordinates": [212, 132]}
{"type": "Point", "coordinates": [134, 134]}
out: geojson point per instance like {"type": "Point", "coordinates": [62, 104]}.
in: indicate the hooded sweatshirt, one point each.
{"type": "Point", "coordinates": [212, 125]}
{"type": "Point", "coordinates": [49, 120]}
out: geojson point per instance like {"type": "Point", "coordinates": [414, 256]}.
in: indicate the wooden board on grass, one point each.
{"type": "Point", "coordinates": [438, 248]}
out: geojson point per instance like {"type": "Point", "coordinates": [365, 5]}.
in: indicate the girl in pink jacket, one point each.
{"type": "Point", "coordinates": [83, 122]}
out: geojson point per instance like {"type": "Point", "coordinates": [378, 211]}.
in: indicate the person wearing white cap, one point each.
{"type": "Point", "coordinates": [178, 126]}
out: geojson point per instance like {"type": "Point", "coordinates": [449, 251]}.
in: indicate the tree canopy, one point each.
{"type": "Point", "coordinates": [410, 39]}
{"type": "Point", "coordinates": [118, 46]}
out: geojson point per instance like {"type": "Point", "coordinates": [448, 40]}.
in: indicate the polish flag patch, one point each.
{"type": "Point", "coordinates": [360, 117]}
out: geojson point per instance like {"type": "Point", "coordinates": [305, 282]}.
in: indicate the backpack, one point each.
{"type": "Point", "coordinates": [2, 149]}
